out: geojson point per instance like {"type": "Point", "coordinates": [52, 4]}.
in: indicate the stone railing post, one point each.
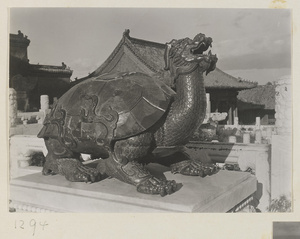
{"type": "Point", "coordinates": [44, 100]}
{"type": "Point", "coordinates": [208, 105]}
{"type": "Point", "coordinates": [13, 109]}
{"type": "Point", "coordinates": [283, 106]}
{"type": "Point", "coordinates": [282, 142]}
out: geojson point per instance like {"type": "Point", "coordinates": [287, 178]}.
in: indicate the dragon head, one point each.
{"type": "Point", "coordinates": [185, 55]}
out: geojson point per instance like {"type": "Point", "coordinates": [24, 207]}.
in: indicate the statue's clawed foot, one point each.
{"type": "Point", "coordinates": [136, 174]}
{"type": "Point", "coordinates": [75, 171]}
{"type": "Point", "coordinates": [157, 186]}
{"type": "Point", "coordinates": [194, 168]}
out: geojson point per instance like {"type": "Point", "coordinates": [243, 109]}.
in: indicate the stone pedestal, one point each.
{"type": "Point", "coordinates": [217, 193]}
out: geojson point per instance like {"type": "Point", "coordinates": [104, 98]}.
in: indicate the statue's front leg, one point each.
{"type": "Point", "coordinates": [136, 174]}
{"type": "Point", "coordinates": [124, 165]}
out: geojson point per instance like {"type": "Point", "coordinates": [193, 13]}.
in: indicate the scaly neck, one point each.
{"type": "Point", "coordinates": [189, 93]}
{"type": "Point", "coordinates": [187, 111]}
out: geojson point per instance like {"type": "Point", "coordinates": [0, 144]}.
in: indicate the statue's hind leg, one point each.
{"type": "Point", "coordinates": [55, 151]}
{"type": "Point", "coordinates": [124, 165]}
{"type": "Point", "coordinates": [180, 162]}
{"type": "Point", "coordinates": [192, 167]}
{"type": "Point", "coordinates": [61, 160]}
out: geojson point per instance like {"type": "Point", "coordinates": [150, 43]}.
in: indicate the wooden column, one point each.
{"type": "Point", "coordinates": [234, 98]}
{"type": "Point", "coordinates": [235, 111]}
{"type": "Point", "coordinates": [217, 106]}
{"type": "Point", "coordinates": [230, 118]}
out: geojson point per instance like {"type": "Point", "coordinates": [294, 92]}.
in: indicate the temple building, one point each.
{"type": "Point", "coordinates": [132, 54]}
{"type": "Point", "coordinates": [33, 80]}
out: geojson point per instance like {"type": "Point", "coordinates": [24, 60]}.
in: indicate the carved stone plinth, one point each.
{"type": "Point", "coordinates": [218, 193]}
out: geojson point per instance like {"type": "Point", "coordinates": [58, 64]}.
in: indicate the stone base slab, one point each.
{"type": "Point", "coordinates": [217, 193]}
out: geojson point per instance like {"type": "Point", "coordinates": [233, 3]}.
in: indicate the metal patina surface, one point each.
{"type": "Point", "coordinates": [129, 119]}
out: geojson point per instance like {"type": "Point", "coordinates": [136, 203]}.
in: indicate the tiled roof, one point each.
{"type": "Point", "coordinates": [151, 54]}
{"type": "Point", "coordinates": [220, 79]}
{"type": "Point", "coordinates": [50, 69]}
{"type": "Point", "coordinates": [263, 95]}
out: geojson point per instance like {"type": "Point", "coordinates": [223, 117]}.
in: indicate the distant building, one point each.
{"type": "Point", "coordinates": [224, 89]}
{"type": "Point", "coordinates": [132, 54]}
{"type": "Point", "coordinates": [29, 80]}
{"type": "Point", "coordinates": [257, 102]}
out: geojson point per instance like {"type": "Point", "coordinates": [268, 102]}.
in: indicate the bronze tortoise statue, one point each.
{"type": "Point", "coordinates": [129, 119]}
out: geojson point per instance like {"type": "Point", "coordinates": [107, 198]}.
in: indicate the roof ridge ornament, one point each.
{"type": "Point", "coordinates": [126, 33]}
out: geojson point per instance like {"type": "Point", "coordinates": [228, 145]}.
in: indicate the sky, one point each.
{"type": "Point", "coordinates": [286, 230]}
{"type": "Point", "coordinates": [254, 44]}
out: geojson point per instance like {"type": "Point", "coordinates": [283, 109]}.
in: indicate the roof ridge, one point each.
{"type": "Point", "coordinates": [133, 39]}
{"type": "Point", "coordinates": [138, 40]}
{"type": "Point", "coordinates": [48, 66]}
{"type": "Point", "coordinates": [55, 70]}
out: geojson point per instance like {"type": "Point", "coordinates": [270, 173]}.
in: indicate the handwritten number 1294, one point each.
{"type": "Point", "coordinates": [21, 224]}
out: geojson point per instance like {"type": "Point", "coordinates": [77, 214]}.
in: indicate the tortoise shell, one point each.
{"type": "Point", "coordinates": [112, 106]}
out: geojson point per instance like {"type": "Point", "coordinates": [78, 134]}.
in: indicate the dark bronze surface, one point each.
{"type": "Point", "coordinates": [129, 118]}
